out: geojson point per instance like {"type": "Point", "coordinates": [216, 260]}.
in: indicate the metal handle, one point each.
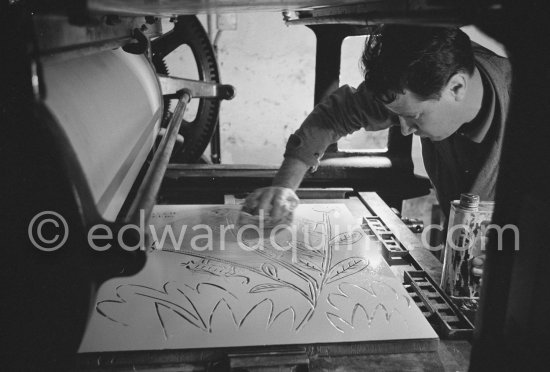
{"type": "Point", "coordinates": [147, 193]}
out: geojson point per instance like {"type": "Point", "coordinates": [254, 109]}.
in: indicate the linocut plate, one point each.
{"type": "Point", "coordinates": [215, 285]}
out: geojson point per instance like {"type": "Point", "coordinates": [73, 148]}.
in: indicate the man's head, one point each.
{"type": "Point", "coordinates": [422, 74]}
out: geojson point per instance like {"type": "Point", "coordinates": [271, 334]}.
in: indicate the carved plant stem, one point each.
{"type": "Point", "coordinates": [327, 261]}
{"type": "Point", "coordinates": [254, 270]}
{"type": "Point", "coordinates": [312, 284]}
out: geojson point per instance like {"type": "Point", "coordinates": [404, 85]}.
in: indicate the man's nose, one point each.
{"type": "Point", "coordinates": [406, 128]}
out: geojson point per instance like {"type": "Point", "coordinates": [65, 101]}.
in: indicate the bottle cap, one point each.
{"type": "Point", "coordinates": [469, 201]}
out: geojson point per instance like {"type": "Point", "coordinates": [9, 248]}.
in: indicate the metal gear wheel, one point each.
{"type": "Point", "coordinates": [197, 133]}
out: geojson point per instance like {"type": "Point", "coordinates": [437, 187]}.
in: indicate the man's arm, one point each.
{"type": "Point", "coordinates": [291, 173]}
{"type": "Point", "coordinates": [343, 112]}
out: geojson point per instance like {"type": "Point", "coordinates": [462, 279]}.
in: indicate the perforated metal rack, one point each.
{"type": "Point", "coordinates": [436, 306]}
{"type": "Point", "coordinates": [374, 226]}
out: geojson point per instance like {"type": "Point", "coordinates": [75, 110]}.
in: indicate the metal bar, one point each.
{"type": "Point", "coordinates": [215, 145]}
{"type": "Point", "coordinates": [198, 89]}
{"type": "Point", "coordinates": [324, 193]}
{"type": "Point", "coordinates": [443, 20]}
{"type": "Point", "coordinates": [355, 10]}
{"type": "Point", "coordinates": [147, 193]}
{"type": "Point", "coordinates": [329, 20]}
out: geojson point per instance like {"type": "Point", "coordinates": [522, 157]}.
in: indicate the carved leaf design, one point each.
{"type": "Point", "coordinates": [270, 270]}
{"type": "Point", "coordinates": [266, 287]}
{"type": "Point", "coordinates": [337, 322]}
{"type": "Point", "coordinates": [207, 266]}
{"type": "Point", "coordinates": [347, 267]}
{"type": "Point", "coordinates": [309, 265]}
{"type": "Point", "coordinates": [346, 238]}
{"type": "Point", "coordinates": [304, 248]}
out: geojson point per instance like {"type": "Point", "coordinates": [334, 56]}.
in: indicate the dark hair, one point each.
{"type": "Point", "coordinates": [420, 59]}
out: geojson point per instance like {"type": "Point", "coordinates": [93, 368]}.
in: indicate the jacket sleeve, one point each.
{"type": "Point", "coordinates": [343, 112]}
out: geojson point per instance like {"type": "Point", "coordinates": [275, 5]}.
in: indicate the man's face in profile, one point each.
{"type": "Point", "coordinates": [435, 119]}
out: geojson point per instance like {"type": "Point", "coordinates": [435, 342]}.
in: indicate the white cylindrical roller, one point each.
{"type": "Point", "coordinates": [110, 106]}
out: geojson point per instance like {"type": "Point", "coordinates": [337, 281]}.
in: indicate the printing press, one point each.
{"type": "Point", "coordinates": [94, 134]}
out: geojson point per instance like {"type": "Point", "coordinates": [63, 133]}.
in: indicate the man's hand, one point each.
{"type": "Point", "coordinates": [277, 203]}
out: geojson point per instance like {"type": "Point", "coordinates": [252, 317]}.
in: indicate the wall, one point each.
{"type": "Point", "coordinates": [272, 67]}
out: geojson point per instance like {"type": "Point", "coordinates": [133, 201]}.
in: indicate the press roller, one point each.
{"type": "Point", "coordinates": [110, 106]}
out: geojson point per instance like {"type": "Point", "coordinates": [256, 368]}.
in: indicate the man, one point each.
{"type": "Point", "coordinates": [432, 82]}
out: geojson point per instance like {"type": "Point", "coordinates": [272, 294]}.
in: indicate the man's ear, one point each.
{"type": "Point", "coordinates": [456, 86]}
